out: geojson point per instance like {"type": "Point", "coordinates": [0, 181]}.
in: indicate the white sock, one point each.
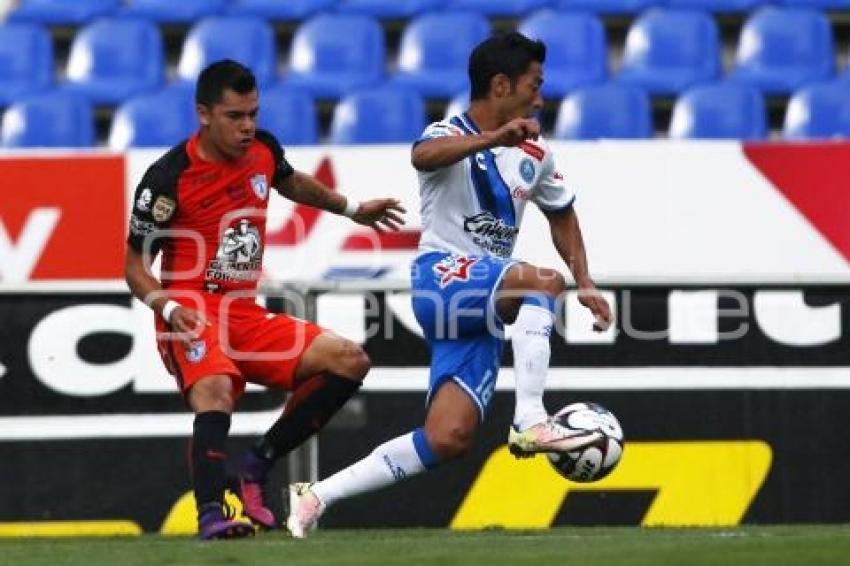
{"type": "Point", "coordinates": [530, 341]}
{"type": "Point", "coordinates": [389, 463]}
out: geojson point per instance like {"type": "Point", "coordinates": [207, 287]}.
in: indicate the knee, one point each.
{"type": "Point", "coordinates": [212, 394]}
{"type": "Point", "coordinates": [551, 282]}
{"type": "Point", "coordinates": [450, 441]}
{"type": "Point", "coordinates": [354, 362]}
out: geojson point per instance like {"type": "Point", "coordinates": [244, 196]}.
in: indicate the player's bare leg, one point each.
{"type": "Point", "coordinates": [329, 373]}
{"type": "Point", "coordinates": [211, 399]}
{"type": "Point", "coordinates": [448, 433]}
{"type": "Point", "coordinates": [451, 422]}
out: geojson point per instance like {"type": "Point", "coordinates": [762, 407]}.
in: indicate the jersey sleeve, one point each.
{"type": "Point", "coordinates": [438, 130]}
{"type": "Point", "coordinates": [552, 194]}
{"type": "Point", "coordinates": [282, 168]}
{"type": "Point", "coordinates": [154, 207]}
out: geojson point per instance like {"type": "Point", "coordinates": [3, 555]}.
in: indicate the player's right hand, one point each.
{"type": "Point", "coordinates": [188, 324]}
{"type": "Point", "coordinates": [592, 299]}
{"type": "Point", "coordinates": [517, 131]}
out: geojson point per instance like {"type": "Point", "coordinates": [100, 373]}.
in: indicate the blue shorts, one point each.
{"type": "Point", "coordinates": [453, 303]}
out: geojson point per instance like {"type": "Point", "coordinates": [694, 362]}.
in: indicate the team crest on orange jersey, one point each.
{"type": "Point", "coordinates": [196, 351]}
{"type": "Point", "coordinates": [260, 185]}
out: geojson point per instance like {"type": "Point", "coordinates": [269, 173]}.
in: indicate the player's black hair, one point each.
{"type": "Point", "coordinates": [508, 53]}
{"type": "Point", "coordinates": [221, 75]}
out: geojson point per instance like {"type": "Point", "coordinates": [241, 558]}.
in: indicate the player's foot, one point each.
{"type": "Point", "coordinates": [252, 479]}
{"type": "Point", "coordinates": [548, 436]}
{"type": "Point", "coordinates": [217, 522]}
{"type": "Point", "coordinates": [304, 510]}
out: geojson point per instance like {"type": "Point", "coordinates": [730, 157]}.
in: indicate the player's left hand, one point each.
{"type": "Point", "coordinates": [381, 214]}
{"type": "Point", "coordinates": [591, 298]}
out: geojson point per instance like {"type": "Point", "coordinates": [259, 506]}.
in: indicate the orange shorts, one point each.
{"type": "Point", "coordinates": [243, 340]}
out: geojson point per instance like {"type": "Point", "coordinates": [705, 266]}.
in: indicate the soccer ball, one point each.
{"type": "Point", "coordinates": [597, 459]}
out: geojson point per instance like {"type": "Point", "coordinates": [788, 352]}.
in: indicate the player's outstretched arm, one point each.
{"type": "Point", "coordinates": [148, 289]}
{"type": "Point", "coordinates": [381, 214]}
{"type": "Point", "coordinates": [443, 151]}
{"type": "Point", "coordinates": [436, 153]}
{"type": "Point", "coordinates": [566, 235]}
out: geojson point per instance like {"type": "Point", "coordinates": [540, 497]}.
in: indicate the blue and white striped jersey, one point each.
{"type": "Point", "coordinates": [475, 206]}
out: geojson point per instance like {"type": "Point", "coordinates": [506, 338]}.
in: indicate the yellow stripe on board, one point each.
{"type": "Point", "coordinates": [709, 483]}
{"type": "Point", "coordinates": [69, 529]}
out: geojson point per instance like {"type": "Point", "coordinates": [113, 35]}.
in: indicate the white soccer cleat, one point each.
{"type": "Point", "coordinates": [304, 510]}
{"type": "Point", "coordinates": [549, 436]}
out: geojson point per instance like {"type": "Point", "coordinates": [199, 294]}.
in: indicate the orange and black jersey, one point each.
{"type": "Point", "coordinates": [207, 218]}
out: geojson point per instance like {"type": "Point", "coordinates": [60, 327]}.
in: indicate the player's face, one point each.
{"type": "Point", "coordinates": [525, 98]}
{"type": "Point", "coordinates": [232, 123]}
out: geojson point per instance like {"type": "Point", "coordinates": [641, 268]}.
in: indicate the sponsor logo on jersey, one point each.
{"type": "Point", "coordinates": [143, 203]}
{"type": "Point", "coordinates": [526, 170]}
{"type": "Point", "coordinates": [260, 185]}
{"type": "Point", "coordinates": [163, 209]}
{"type": "Point", "coordinates": [239, 255]}
{"type": "Point", "coordinates": [491, 233]}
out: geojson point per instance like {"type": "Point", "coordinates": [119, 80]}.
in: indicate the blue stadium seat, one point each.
{"type": "Point", "coordinates": [818, 4]}
{"type": "Point", "coordinates": [781, 49]}
{"type": "Point", "coordinates": [820, 110]}
{"type": "Point", "coordinates": [332, 54]}
{"type": "Point", "coordinates": [720, 111]}
{"type": "Point", "coordinates": [576, 49]}
{"type": "Point", "coordinates": [174, 11]}
{"type": "Point", "coordinates": [48, 119]}
{"type": "Point", "coordinates": [726, 6]}
{"type": "Point", "coordinates": [26, 60]}
{"type": "Point", "coordinates": [458, 104]}
{"type": "Point", "coordinates": [154, 119]}
{"type": "Point", "coordinates": [62, 12]}
{"type": "Point", "coordinates": [113, 59]}
{"type": "Point", "coordinates": [434, 52]}
{"type": "Point", "coordinates": [247, 40]}
{"type": "Point", "coordinates": [386, 114]}
{"type": "Point", "coordinates": [669, 50]}
{"type": "Point", "coordinates": [290, 114]}
{"type": "Point", "coordinates": [608, 110]}
{"type": "Point", "coordinates": [500, 8]}
{"type": "Point", "coordinates": [608, 6]}
{"type": "Point", "coordinates": [390, 9]}
{"type": "Point", "coordinates": [280, 9]}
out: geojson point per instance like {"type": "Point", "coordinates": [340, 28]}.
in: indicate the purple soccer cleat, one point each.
{"type": "Point", "coordinates": [214, 524]}
{"type": "Point", "coordinates": [252, 478]}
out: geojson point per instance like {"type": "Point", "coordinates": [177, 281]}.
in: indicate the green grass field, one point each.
{"type": "Point", "coordinates": [615, 546]}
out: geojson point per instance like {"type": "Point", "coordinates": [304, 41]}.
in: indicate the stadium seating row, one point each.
{"type": "Point", "coordinates": [666, 52]}
{"type": "Point", "coordinates": [78, 12]}
{"type": "Point", "coordinates": [396, 114]}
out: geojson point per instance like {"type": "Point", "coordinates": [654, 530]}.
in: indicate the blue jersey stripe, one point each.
{"type": "Point", "coordinates": [493, 193]}
{"type": "Point", "coordinates": [470, 124]}
{"type": "Point", "coordinates": [479, 180]}
{"type": "Point", "coordinates": [500, 190]}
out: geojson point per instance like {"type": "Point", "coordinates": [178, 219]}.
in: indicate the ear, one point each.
{"type": "Point", "coordinates": [203, 114]}
{"type": "Point", "coordinates": [500, 85]}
